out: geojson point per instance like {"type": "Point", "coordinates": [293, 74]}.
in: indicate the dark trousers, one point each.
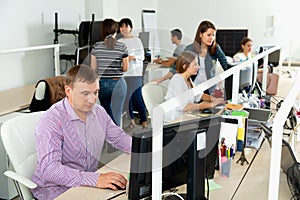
{"type": "Point", "coordinates": [112, 95]}
{"type": "Point", "coordinates": [134, 99]}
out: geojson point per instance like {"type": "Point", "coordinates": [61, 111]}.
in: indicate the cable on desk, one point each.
{"type": "Point", "coordinates": [207, 183]}
{"type": "Point", "coordinates": [172, 193]}
{"type": "Point", "coordinates": [119, 194]}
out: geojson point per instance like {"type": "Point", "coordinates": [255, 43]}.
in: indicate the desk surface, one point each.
{"type": "Point", "coordinates": [153, 66]}
{"type": "Point", "coordinates": [121, 165]}
{"type": "Point", "coordinates": [229, 184]}
{"type": "Point", "coordinates": [16, 99]}
{"type": "Point", "coordinates": [154, 71]}
{"type": "Point", "coordinates": [254, 185]}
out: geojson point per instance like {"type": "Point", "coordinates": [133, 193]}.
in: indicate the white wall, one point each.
{"type": "Point", "coordinates": [118, 9]}
{"type": "Point", "coordinates": [288, 28]}
{"type": "Point", "coordinates": [133, 10]}
{"type": "Point", "coordinates": [93, 7]}
{"type": "Point", "coordinates": [253, 15]}
{"type": "Point", "coordinates": [31, 23]}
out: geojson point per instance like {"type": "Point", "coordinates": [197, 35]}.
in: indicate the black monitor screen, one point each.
{"type": "Point", "coordinates": [230, 40]}
{"type": "Point", "coordinates": [183, 161]}
{"type": "Point", "coordinates": [83, 55]}
{"type": "Point", "coordinates": [273, 57]}
{"type": "Point", "coordinates": [247, 79]}
{"type": "Point", "coordinates": [89, 33]}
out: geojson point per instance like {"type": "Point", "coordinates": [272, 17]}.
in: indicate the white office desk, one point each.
{"type": "Point", "coordinates": [122, 165]}
{"type": "Point", "coordinates": [154, 71]}
{"type": "Point", "coordinates": [16, 99]}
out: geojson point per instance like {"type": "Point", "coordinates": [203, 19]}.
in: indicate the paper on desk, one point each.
{"type": "Point", "coordinates": [255, 143]}
{"type": "Point", "coordinates": [253, 134]}
{"type": "Point", "coordinates": [228, 131]}
{"type": "Point", "coordinates": [212, 185]}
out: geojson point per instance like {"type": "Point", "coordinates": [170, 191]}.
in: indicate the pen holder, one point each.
{"type": "Point", "coordinates": [225, 165]}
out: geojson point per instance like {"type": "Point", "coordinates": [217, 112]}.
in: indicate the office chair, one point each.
{"type": "Point", "coordinates": [47, 92]}
{"type": "Point", "coordinates": [289, 164]}
{"type": "Point", "coordinates": [19, 143]}
{"type": "Point", "coordinates": [153, 95]}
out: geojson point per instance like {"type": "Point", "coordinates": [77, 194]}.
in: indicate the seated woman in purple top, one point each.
{"type": "Point", "coordinates": [70, 137]}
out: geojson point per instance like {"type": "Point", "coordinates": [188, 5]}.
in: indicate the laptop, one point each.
{"type": "Point", "coordinates": [258, 115]}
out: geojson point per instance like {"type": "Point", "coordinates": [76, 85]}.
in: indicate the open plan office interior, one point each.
{"type": "Point", "coordinates": [43, 40]}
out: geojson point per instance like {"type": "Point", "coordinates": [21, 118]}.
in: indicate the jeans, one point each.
{"type": "Point", "coordinates": [112, 96]}
{"type": "Point", "coordinates": [134, 99]}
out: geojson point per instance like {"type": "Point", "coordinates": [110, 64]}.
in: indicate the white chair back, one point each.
{"type": "Point", "coordinates": [153, 95]}
{"type": "Point", "coordinates": [19, 142]}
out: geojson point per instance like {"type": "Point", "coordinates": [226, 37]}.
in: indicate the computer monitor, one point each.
{"type": "Point", "coordinates": [273, 57]}
{"type": "Point", "coordinates": [83, 55]}
{"type": "Point", "coordinates": [248, 77]}
{"type": "Point", "coordinates": [230, 40]}
{"type": "Point", "coordinates": [144, 36]}
{"type": "Point", "coordinates": [189, 150]}
{"type": "Point", "coordinates": [89, 33]}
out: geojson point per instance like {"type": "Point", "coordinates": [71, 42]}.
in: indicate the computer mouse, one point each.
{"type": "Point", "coordinates": [207, 111]}
{"type": "Point", "coordinates": [118, 187]}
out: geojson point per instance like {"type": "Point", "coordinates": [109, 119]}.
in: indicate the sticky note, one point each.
{"type": "Point", "coordinates": [241, 134]}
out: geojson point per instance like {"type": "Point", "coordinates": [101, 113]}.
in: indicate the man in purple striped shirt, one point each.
{"type": "Point", "coordinates": [70, 137]}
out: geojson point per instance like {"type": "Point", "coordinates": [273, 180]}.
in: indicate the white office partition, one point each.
{"type": "Point", "coordinates": [160, 110]}
{"type": "Point", "coordinates": [55, 48]}
{"type": "Point", "coordinates": [277, 132]}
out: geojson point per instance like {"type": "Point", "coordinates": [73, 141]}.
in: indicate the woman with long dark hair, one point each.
{"type": "Point", "coordinates": [208, 52]}
{"type": "Point", "coordinates": [245, 53]}
{"type": "Point", "coordinates": [187, 66]}
{"type": "Point", "coordinates": [110, 60]}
